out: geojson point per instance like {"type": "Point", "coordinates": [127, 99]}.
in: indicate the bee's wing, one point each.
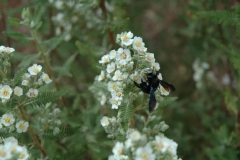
{"type": "Point", "coordinates": [152, 100]}
{"type": "Point", "coordinates": [167, 86]}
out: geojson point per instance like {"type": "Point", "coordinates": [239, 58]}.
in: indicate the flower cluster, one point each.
{"type": "Point", "coordinates": [7, 123]}
{"type": "Point", "coordinates": [67, 25]}
{"type": "Point", "coordinates": [199, 69]}
{"type": "Point", "coordinates": [52, 119]}
{"type": "Point", "coordinates": [112, 126]}
{"type": "Point", "coordinates": [11, 149]}
{"type": "Point", "coordinates": [29, 83]}
{"type": "Point", "coordinates": [140, 148]}
{"type": "Point", "coordinates": [121, 67]}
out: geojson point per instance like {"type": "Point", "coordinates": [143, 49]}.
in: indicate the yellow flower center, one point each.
{"type": "Point", "coordinates": [7, 119]}
{"type": "Point", "coordinates": [149, 58]}
{"type": "Point", "coordinates": [5, 92]}
{"type": "Point", "coordinates": [124, 55]}
{"type": "Point", "coordinates": [160, 145]}
{"type": "Point", "coordinates": [32, 94]}
{"type": "Point", "coordinates": [138, 44]}
{"type": "Point", "coordinates": [115, 102]}
{"type": "Point", "coordinates": [144, 156]}
{"type": "Point", "coordinates": [119, 94]}
{"type": "Point", "coordinates": [35, 69]}
{"type": "Point", "coordinates": [125, 38]}
{"type": "Point", "coordinates": [21, 126]}
{"type": "Point", "coordinates": [3, 153]}
{"type": "Point", "coordinates": [114, 86]}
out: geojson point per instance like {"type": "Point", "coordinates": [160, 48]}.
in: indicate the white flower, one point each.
{"type": "Point", "coordinates": [7, 119]}
{"type": "Point", "coordinates": [34, 69]}
{"type": "Point", "coordinates": [135, 135]}
{"type": "Point", "coordinates": [104, 59]}
{"type": "Point", "coordinates": [0, 126]}
{"type": "Point", "coordinates": [23, 153]}
{"type": "Point", "coordinates": [118, 157]}
{"type": "Point", "coordinates": [9, 50]}
{"type": "Point", "coordinates": [101, 76]}
{"type": "Point", "coordinates": [118, 148]}
{"type": "Point", "coordinates": [104, 121]}
{"type": "Point", "coordinates": [113, 86]}
{"type": "Point", "coordinates": [128, 143]}
{"type": "Point", "coordinates": [25, 82]}
{"type": "Point", "coordinates": [111, 67]}
{"type": "Point", "coordinates": [22, 126]}
{"type": "Point", "coordinates": [46, 78]}
{"type": "Point", "coordinates": [126, 38]}
{"type": "Point", "coordinates": [12, 140]}
{"type": "Point", "coordinates": [2, 49]}
{"type": "Point", "coordinates": [138, 43]}
{"type": "Point", "coordinates": [115, 103]}
{"type": "Point", "coordinates": [4, 153]}
{"type": "Point", "coordinates": [112, 54]}
{"type": "Point", "coordinates": [18, 91]}
{"type": "Point", "coordinates": [118, 95]}
{"type": "Point", "coordinates": [165, 145]}
{"type": "Point", "coordinates": [5, 92]}
{"type": "Point", "coordinates": [150, 57]}
{"type": "Point", "coordinates": [26, 76]}
{"type": "Point", "coordinates": [145, 153]}
{"type": "Point", "coordinates": [32, 92]}
{"type": "Point", "coordinates": [123, 56]}
{"type": "Point", "coordinates": [135, 77]}
{"type": "Point", "coordinates": [155, 66]}
{"type": "Point", "coordinates": [117, 75]}
{"type": "Point", "coordinates": [142, 51]}
{"type": "Point", "coordinates": [164, 91]}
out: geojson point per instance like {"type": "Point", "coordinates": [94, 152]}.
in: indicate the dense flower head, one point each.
{"type": "Point", "coordinates": [122, 71]}
{"type": "Point", "coordinates": [125, 65]}
{"type": "Point", "coordinates": [11, 149]}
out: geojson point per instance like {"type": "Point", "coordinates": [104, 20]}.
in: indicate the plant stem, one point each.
{"type": "Point", "coordinates": [32, 133]}
{"type": "Point", "coordinates": [110, 33]}
{"type": "Point", "coordinates": [50, 72]}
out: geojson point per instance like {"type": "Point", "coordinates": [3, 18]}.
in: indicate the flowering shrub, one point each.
{"type": "Point", "coordinates": [17, 96]}
{"type": "Point", "coordinates": [120, 69]}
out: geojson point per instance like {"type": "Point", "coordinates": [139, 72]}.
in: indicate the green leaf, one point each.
{"type": "Point", "coordinates": [166, 101]}
{"type": "Point", "coordinates": [65, 69]}
{"type": "Point", "coordinates": [64, 132]}
{"type": "Point", "coordinates": [37, 13]}
{"type": "Point", "coordinates": [14, 21]}
{"type": "Point", "coordinates": [71, 155]}
{"type": "Point", "coordinates": [126, 112]}
{"type": "Point", "coordinates": [238, 19]}
{"type": "Point", "coordinates": [52, 43]}
{"type": "Point", "coordinates": [84, 48]}
{"type": "Point", "coordinates": [17, 35]}
{"type": "Point", "coordinates": [223, 17]}
{"type": "Point", "coordinates": [44, 98]}
{"type": "Point", "coordinates": [8, 107]}
{"type": "Point", "coordinates": [231, 102]}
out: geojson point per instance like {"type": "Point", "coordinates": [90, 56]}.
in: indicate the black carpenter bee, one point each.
{"type": "Point", "coordinates": [151, 85]}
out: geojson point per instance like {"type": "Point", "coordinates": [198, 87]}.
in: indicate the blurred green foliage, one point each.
{"type": "Point", "coordinates": [203, 121]}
